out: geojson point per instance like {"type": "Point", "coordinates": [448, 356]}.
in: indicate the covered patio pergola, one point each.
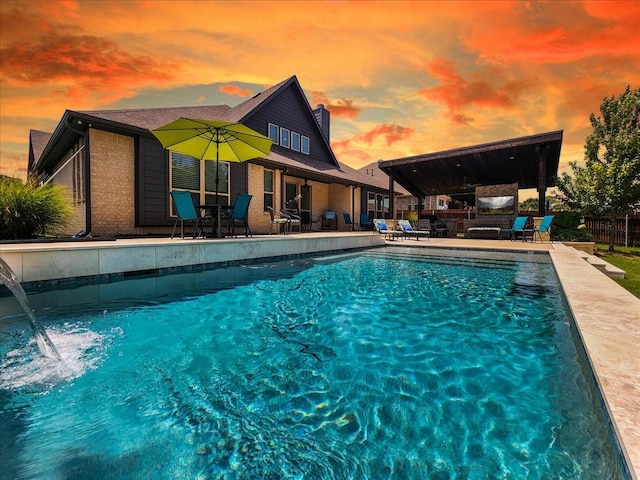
{"type": "Point", "coordinates": [530, 161]}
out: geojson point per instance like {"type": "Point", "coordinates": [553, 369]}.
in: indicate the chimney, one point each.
{"type": "Point", "coordinates": [324, 119]}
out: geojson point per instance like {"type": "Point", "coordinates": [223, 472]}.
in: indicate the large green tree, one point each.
{"type": "Point", "coordinates": [609, 182]}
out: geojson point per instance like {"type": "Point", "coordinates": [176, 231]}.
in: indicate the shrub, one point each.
{"type": "Point", "coordinates": [27, 209]}
{"type": "Point", "coordinates": [567, 228]}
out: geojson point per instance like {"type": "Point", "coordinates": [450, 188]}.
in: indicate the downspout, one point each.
{"type": "Point", "coordinates": [353, 205]}
{"type": "Point", "coordinates": [282, 192]}
{"type": "Point", "coordinates": [87, 172]}
{"type": "Point", "coordinates": [392, 206]}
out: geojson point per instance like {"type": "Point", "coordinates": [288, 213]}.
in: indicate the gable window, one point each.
{"type": "Point", "coordinates": [284, 137]}
{"type": "Point", "coordinates": [295, 141]}
{"type": "Point", "coordinates": [268, 188]}
{"type": "Point", "coordinates": [273, 133]}
{"type": "Point", "coordinates": [287, 138]}
{"type": "Point", "coordinates": [199, 177]}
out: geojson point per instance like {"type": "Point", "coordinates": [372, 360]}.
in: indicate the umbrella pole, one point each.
{"type": "Point", "coordinates": [218, 226]}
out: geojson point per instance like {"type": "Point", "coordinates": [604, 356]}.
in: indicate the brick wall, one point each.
{"type": "Point", "coordinates": [258, 218]}
{"type": "Point", "coordinates": [112, 184]}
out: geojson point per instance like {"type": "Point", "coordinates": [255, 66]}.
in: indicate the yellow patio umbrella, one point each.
{"type": "Point", "coordinates": [213, 140]}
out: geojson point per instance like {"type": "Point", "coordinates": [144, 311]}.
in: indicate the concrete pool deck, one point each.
{"type": "Point", "coordinates": [606, 315]}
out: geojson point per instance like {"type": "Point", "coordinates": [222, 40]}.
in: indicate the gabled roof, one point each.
{"type": "Point", "coordinates": [248, 107]}
{"type": "Point", "coordinates": [37, 141]}
{"type": "Point", "coordinates": [530, 161]}
{"type": "Point", "coordinates": [380, 178]}
{"type": "Point", "coordinates": [150, 118]}
{"type": "Point", "coordinates": [141, 121]}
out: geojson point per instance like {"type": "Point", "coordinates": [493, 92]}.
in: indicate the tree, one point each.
{"type": "Point", "coordinates": [532, 203]}
{"type": "Point", "coordinates": [609, 181]}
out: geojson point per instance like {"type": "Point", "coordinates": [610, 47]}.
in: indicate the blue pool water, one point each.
{"type": "Point", "coordinates": [381, 365]}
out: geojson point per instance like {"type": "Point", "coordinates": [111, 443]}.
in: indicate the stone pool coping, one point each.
{"type": "Point", "coordinates": [606, 315]}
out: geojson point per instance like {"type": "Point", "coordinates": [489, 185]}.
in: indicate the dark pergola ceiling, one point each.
{"type": "Point", "coordinates": [531, 161]}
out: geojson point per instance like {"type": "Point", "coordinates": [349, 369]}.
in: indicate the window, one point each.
{"type": "Point", "coordinates": [199, 177]}
{"type": "Point", "coordinates": [284, 137]}
{"type": "Point", "coordinates": [268, 188]}
{"type": "Point", "coordinates": [288, 139]}
{"type": "Point", "coordinates": [290, 194]}
{"type": "Point", "coordinates": [273, 133]}
{"type": "Point", "coordinates": [295, 141]}
{"type": "Point", "coordinates": [371, 205]}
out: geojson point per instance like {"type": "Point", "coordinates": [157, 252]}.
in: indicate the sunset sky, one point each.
{"type": "Point", "coordinates": [400, 78]}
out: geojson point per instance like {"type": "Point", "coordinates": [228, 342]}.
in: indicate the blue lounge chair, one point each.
{"type": "Point", "coordinates": [381, 227]}
{"type": "Point", "coordinates": [544, 227]}
{"type": "Point", "coordinates": [186, 212]}
{"type": "Point", "coordinates": [407, 229]}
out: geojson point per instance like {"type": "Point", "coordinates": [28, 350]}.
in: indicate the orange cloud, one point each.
{"type": "Point", "coordinates": [341, 108]}
{"type": "Point", "coordinates": [352, 156]}
{"type": "Point", "coordinates": [235, 91]}
{"type": "Point", "coordinates": [485, 88]}
{"type": "Point", "coordinates": [390, 133]}
{"type": "Point", "coordinates": [92, 62]}
{"type": "Point", "coordinates": [558, 32]}
{"type": "Point", "coordinates": [341, 144]}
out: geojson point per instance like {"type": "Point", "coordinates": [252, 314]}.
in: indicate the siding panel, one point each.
{"type": "Point", "coordinates": [289, 109]}
{"type": "Point", "coordinates": [152, 193]}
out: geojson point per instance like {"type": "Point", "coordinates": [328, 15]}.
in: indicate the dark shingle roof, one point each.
{"type": "Point", "coordinates": [38, 140]}
{"type": "Point", "coordinates": [150, 118]}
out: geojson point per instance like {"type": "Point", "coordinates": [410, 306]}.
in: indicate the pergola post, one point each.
{"type": "Point", "coordinates": [542, 177]}
{"type": "Point", "coordinates": [392, 206]}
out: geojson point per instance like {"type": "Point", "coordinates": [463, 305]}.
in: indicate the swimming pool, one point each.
{"type": "Point", "coordinates": [381, 365]}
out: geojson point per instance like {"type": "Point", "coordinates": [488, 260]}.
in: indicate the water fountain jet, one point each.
{"type": "Point", "coordinates": [46, 346]}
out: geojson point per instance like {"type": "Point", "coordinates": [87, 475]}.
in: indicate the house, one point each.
{"type": "Point", "coordinates": [405, 201]}
{"type": "Point", "coordinates": [119, 176]}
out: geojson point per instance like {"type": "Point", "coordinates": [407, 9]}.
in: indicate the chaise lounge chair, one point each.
{"type": "Point", "coordinates": [407, 229]}
{"type": "Point", "coordinates": [381, 228]}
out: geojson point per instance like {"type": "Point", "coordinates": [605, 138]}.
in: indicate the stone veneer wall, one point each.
{"type": "Point", "coordinates": [496, 191]}
{"type": "Point", "coordinates": [112, 184]}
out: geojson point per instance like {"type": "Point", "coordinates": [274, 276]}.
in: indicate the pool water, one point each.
{"type": "Point", "coordinates": [375, 366]}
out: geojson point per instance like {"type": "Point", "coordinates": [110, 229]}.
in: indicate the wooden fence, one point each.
{"type": "Point", "coordinates": [625, 230]}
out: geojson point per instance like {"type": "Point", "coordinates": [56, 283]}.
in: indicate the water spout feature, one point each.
{"type": "Point", "coordinates": [46, 346]}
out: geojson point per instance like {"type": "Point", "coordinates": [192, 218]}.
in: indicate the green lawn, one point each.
{"type": "Point", "coordinates": [628, 259]}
